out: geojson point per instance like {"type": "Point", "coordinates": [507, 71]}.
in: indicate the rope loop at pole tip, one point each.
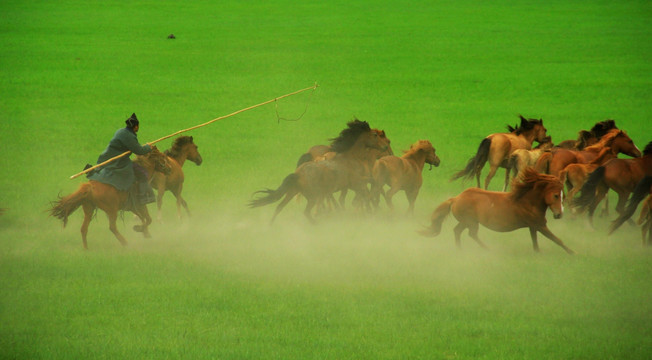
{"type": "Point", "coordinates": [198, 126]}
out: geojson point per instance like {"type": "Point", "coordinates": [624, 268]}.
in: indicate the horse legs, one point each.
{"type": "Point", "coordinates": [535, 242]}
{"type": "Point", "coordinates": [113, 217]}
{"type": "Point", "coordinates": [600, 193]}
{"type": "Point", "coordinates": [389, 194]}
{"type": "Point", "coordinates": [160, 191]}
{"type": "Point", "coordinates": [88, 216]}
{"type": "Point", "coordinates": [547, 233]}
{"type": "Point", "coordinates": [146, 220]}
{"type": "Point", "coordinates": [507, 170]}
{"type": "Point", "coordinates": [492, 172]}
{"type": "Point", "coordinates": [458, 234]}
{"type": "Point", "coordinates": [473, 232]}
{"type": "Point", "coordinates": [288, 196]}
{"type": "Point", "coordinates": [412, 198]}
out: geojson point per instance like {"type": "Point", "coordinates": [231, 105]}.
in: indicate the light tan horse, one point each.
{"type": "Point", "coordinates": [524, 206]}
{"type": "Point", "coordinates": [523, 158]}
{"type": "Point", "coordinates": [92, 195]}
{"type": "Point", "coordinates": [317, 180]}
{"type": "Point", "coordinates": [497, 148]}
{"type": "Point", "coordinates": [182, 149]}
{"type": "Point", "coordinates": [402, 173]}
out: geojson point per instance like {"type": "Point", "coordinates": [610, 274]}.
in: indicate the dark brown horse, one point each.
{"type": "Point", "coordinates": [320, 152]}
{"type": "Point", "coordinates": [524, 206]}
{"type": "Point", "coordinates": [317, 180]}
{"type": "Point", "coordinates": [182, 149]}
{"type": "Point", "coordinates": [642, 191]}
{"type": "Point", "coordinates": [589, 137]}
{"type": "Point", "coordinates": [620, 175]}
{"type": "Point", "coordinates": [497, 148]}
{"type": "Point", "coordinates": [617, 140]}
{"type": "Point", "coordinates": [402, 173]}
{"type": "Point", "coordinates": [92, 195]}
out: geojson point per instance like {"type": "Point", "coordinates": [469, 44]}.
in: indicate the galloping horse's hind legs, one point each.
{"type": "Point", "coordinates": [507, 171]}
{"type": "Point", "coordinates": [473, 232]}
{"type": "Point", "coordinates": [458, 234]}
{"type": "Point", "coordinates": [88, 216]}
{"type": "Point", "coordinates": [492, 172]}
{"type": "Point", "coordinates": [535, 242]}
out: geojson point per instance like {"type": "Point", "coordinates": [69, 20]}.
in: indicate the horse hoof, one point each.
{"type": "Point", "coordinates": [138, 228]}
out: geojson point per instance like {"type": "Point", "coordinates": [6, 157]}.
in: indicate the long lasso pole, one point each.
{"type": "Point", "coordinates": [195, 127]}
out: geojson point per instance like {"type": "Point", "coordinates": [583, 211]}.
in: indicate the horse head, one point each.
{"type": "Point", "coordinates": [383, 142]}
{"type": "Point", "coordinates": [193, 153]}
{"type": "Point", "coordinates": [554, 198]}
{"type": "Point", "coordinates": [531, 126]}
{"type": "Point", "coordinates": [542, 189]}
{"type": "Point", "coordinates": [430, 152]}
{"type": "Point", "coordinates": [622, 143]}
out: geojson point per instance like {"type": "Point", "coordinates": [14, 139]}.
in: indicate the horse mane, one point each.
{"type": "Point", "coordinates": [177, 145]}
{"type": "Point", "coordinates": [416, 147]}
{"type": "Point", "coordinates": [603, 127]}
{"type": "Point", "coordinates": [648, 149]}
{"type": "Point", "coordinates": [526, 124]}
{"type": "Point", "coordinates": [349, 136]}
{"type": "Point", "coordinates": [582, 139]}
{"type": "Point", "coordinates": [529, 180]}
{"type": "Point", "coordinates": [606, 139]}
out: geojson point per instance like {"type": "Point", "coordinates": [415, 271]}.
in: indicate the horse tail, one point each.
{"type": "Point", "coordinates": [640, 192]}
{"type": "Point", "coordinates": [437, 218]}
{"type": "Point", "coordinates": [307, 157]}
{"type": "Point", "coordinates": [542, 165]}
{"type": "Point", "coordinates": [475, 164]}
{"type": "Point", "coordinates": [290, 182]}
{"type": "Point", "coordinates": [64, 206]}
{"type": "Point", "coordinates": [588, 189]}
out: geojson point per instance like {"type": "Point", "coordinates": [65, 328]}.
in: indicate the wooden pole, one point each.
{"type": "Point", "coordinates": [126, 153]}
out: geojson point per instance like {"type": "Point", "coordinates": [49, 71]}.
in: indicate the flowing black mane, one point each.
{"type": "Point", "coordinates": [601, 128]}
{"type": "Point", "coordinates": [526, 124]}
{"type": "Point", "coordinates": [349, 136]}
{"type": "Point", "coordinates": [178, 144]}
{"type": "Point", "coordinates": [648, 149]}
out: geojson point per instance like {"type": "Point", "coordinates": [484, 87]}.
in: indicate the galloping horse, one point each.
{"type": "Point", "coordinates": [617, 140]}
{"type": "Point", "coordinates": [402, 173]}
{"type": "Point", "coordinates": [182, 149]}
{"type": "Point", "coordinates": [94, 194]}
{"type": "Point", "coordinates": [523, 158]}
{"type": "Point", "coordinates": [643, 189]}
{"type": "Point", "coordinates": [317, 180]}
{"type": "Point", "coordinates": [620, 175]}
{"type": "Point", "coordinates": [574, 175]}
{"type": "Point", "coordinates": [524, 206]}
{"type": "Point", "coordinates": [323, 152]}
{"type": "Point", "coordinates": [496, 148]}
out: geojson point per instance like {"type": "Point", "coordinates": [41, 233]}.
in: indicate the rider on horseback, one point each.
{"type": "Point", "coordinates": [122, 173]}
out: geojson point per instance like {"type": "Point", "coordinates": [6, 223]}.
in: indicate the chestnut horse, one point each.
{"type": "Point", "coordinates": [574, 175]}
{"type": "Point", "coordinates": [620, 175]}
{"type": "Point", "coordinates": [182, 149]}
{"type": "Point", "coordinates": [617, 140]}
{"type": "Point", "coordinates": [402, 173]}
{"type": "Point", "coordinates": [94, 194]}
{"type": "Point", "coordinates": [496, 148]}
{"type": "Point", "coordinates": [524, 206]}
{"type": "Point", "coordinates": [643, 189]}
{"type": "Point", "coordinates": [318, 180]}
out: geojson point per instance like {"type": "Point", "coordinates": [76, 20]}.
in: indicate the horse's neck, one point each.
{"type": "Point", "coordinates": [180, 158]}
{"type": "Point", "coordinates": [417, 158]}
{"type": "Point", "coordinates": [528, 136]}
{"type": "Point", "coordinates": [604, 155]}
{"type": "Point", "coordinates": [147, 165]}
{"type": "Point", "coordinates": [535, 199]}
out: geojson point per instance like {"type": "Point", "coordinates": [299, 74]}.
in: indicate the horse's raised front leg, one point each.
{"type": "Point", "coordinates": [547, 233]}
{"type": "Point", "coordinates": [113, 217]}
{"type": "Point", "coordinates": [146, 220]}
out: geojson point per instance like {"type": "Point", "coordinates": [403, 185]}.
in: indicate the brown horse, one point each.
{"type": "Point", "coordinates": [324, 152]}
{"type": "Point", "coordinates": [575, 175]}
{"type": "Point", "coordinates": [94, 194]}
{"type": "Point", "coordinates": [589, 137]}
{"type": "Point", "coordinates": [617, 140]}
{"type": "Point", "coordinates": [402, 173]}
{"type": "Point", "coordinates": [182, 149]}
{"type": "Point", "coordinates": [620, 175]}
{"type": "Point", "coordinates": [524, 206]}
{"type": "Point", "coordinates": [523, 158]}
{"type": "Point", "coordinates": [643, 189]}
{"type": "Point", "coordinates": [317, 180]}
{"type": "Point", "coordinates": [496, 149]}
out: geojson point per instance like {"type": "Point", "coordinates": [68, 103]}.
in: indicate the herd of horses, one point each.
{"type": "Point", "coordinates": [361, 160]}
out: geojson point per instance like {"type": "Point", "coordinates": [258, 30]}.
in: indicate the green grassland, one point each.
{"type": "Point", "coordinates": [223, 284]}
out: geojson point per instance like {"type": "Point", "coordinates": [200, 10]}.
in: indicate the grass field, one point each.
{"type": "Point", "coordinates": [225, 285]}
